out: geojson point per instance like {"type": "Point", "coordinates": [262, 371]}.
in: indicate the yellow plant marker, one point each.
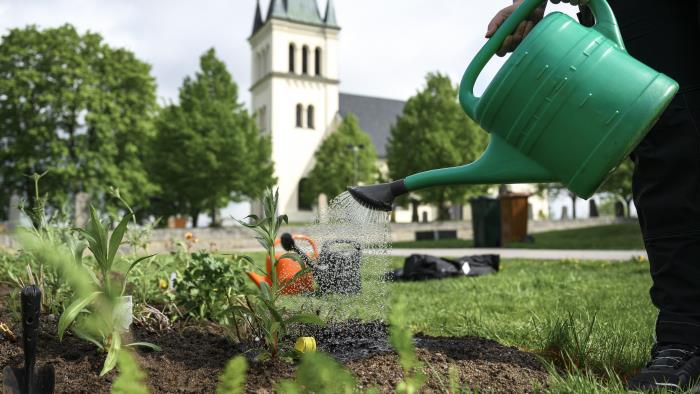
{"type": "Point", "coordinates": [305, 344]}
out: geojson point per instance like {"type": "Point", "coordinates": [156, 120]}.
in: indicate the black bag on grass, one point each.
{"type": "Point", "coordinates": [423, 266]}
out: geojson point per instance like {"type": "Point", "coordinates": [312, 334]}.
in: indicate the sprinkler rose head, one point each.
{"type": "Point", "coordinates": [380, 196]}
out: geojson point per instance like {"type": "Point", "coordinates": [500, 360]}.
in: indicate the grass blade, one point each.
{"type": "Point", "coordinates": [146, 345]}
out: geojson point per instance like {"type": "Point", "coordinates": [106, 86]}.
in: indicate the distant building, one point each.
{"type": "Point", "coordinates": [295, 93]}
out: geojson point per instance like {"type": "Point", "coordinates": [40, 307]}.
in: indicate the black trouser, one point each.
{"type": "Point", "coordinates": [665, 34]}
{"type": "Point", "coordinates": [666, 187]}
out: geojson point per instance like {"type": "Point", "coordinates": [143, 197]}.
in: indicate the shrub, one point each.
{"type": "Point", "coordinates": [209, 285]}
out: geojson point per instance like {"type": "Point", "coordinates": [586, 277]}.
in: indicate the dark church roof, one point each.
{"type": "Point", "coordinates": [300, 11]}
{"type": "Point", "coordinates": [376, 116]}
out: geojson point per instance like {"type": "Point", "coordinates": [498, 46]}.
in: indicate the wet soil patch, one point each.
{"type": "Point", "coordinates": [351, 340]}
{"type": "Point", "coordinates": [193, 357]}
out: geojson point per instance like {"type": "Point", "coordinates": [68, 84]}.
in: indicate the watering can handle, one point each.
{"type": "Point", "coordinates": [606, 24]}
{"type": "Point", "coordinates": [301, 237]}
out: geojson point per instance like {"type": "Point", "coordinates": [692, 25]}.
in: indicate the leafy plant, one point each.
{"type": "Point", "coordinates": [131, 378]}
{"type": "Point", "coordinates": [52, 228]}
{"type": "Point", "coordinates": [321, 374]}
{"type": "Point", "coordinates": [266, 318]}
{"type": "Point", "coordinates": [209, 285]}
{"type": "Point", "coordinates": [104, 302]}
{"type": "Point", "coordinates": [232, 381]}
{"type": "Point", "coordinates": [402, 341]}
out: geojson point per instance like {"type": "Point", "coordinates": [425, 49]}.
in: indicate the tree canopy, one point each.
{"type": "Point", "coordinates": [345, 158]}
{"type": "Point", "coordinates": [73, 105]}
{"type": "Point", "coordinates": [208, 150]}
{"type": "Point", "coordinates": [434, 132]}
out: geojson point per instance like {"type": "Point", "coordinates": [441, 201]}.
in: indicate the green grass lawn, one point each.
{"type": "Point", "coordinates": [611, 237]}
{"type": "Point", "coordinates": [597, 314]}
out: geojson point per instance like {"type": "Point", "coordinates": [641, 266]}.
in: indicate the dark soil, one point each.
{"type": "Point", "coordinates": [193, 357]}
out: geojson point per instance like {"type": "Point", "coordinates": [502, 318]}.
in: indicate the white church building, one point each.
{"type": "Point", "coordinates": [296, 95]}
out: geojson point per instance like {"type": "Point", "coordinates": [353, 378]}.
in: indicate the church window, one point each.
{"type": "Point", "coordinates": [304, 197]}
{"type": "Point", "coordinates": [318, 61]}
{"type": "Point", "coordinates": [300, 115]}
{"type": "Point", "coordinates": [305, 60]}
{"type": "Point", "coordinates": [292, 57]}
{"type": "Point", "coordinates": [310, 117]}
{"type": "Point", "coordinates": [262, 119]}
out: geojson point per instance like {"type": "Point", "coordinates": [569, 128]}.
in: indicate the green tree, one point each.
{"type": "Point", "coordinates": [619, 183]}
{"type": "Point", "coordinates": [208, 150]}
{"type": "Point", "coordinates": [434, 132]}
{"type": "Point", "coordinates": [347, 157]}
{"type": "Point", "coordinates": [73, 105]}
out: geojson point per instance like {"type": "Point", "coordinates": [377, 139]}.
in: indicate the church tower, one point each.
{"type": "Point", "coordinates": [295, 90]}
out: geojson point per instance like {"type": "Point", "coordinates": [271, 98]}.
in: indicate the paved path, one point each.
{"type": "Point", "coordinates": [535, 254]}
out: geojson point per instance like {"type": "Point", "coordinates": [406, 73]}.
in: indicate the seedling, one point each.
{"type": "Point", "coordinates": [104, 327]}
{"type": "Point", "coordinates": [269, 320]}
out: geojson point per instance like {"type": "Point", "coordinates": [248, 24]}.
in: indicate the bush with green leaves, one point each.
{"type": "Point", "coordinates": [209, 285]}
{"type": "Point", "coordinates": [263, 315]}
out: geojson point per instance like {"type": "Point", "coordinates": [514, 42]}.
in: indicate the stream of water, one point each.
{"type": "Point", "coordinates": [356, 287]}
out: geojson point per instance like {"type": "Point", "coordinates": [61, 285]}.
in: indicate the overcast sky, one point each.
{"type": "Point", "coordinates": [387, 46]}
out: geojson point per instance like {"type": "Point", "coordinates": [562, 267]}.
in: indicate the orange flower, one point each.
{"type": "Point", "coordinates": [189, 236]}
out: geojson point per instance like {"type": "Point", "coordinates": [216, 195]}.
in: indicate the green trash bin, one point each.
{"type": "Point", "coordinates": [486, 222]}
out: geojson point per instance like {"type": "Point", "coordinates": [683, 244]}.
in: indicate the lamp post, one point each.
{"type": "Point", "coordinates": [356, 152]}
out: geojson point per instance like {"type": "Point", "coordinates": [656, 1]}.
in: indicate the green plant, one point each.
{"type": "Point", "coordinates": [209, 285]}
{"type": "Point", "coordinates": [232, 381]}
{"type": "Point", "coordinates": [267, 319]}
{"type": "Point", "coordinates": [319, 373]}
{"type": "Point", "coordinates": [402, 341]}
{"type": "Point", "coordinates": [103, 303]}
{"type": "Point", "coordinates": [51, 228]}
{"type": "Point", "coordinates": [131, 378]}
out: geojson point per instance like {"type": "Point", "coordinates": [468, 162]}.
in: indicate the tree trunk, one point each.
{"type": "Point", "coordinates": [443, 212]}
{"type": "Point", "coordinates": [573, 205]}
{"type": "Point", "coordinates": [195, 218]}
{"type": "Point", "coordinates": [214, 218]}
{"type": "Point", "coordinates": [414, 211]}
{"type": "Point", "coordinates": [592, 209]}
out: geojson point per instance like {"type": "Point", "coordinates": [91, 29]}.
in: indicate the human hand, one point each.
{"type": "Point", "coordinates": [572, 2]}
{"type": "Point", "coordinates": [511, 42]}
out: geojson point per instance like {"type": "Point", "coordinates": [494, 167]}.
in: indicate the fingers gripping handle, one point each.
{"type": "Point", "coordinates": [466, 91]}
{"type": "Point", "coordinates": [605, 24]}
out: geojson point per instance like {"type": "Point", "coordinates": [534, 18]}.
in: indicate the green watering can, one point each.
{"type": "Point", "coordinates": [567, 106]}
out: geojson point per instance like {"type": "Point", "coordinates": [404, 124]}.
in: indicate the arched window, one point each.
{"type": "Point", "coordinates": [310, 117]}
{"type": "Point", "coordinates": [305, 60]}
{"type": "Point", "coordinates": [300, 115]}
{"type": "Point", "coordinates": [304, 197]}
{"type": "Point", "coordinates": [292, 56]}
{"type": "Point", "coordinates": [318, 61]}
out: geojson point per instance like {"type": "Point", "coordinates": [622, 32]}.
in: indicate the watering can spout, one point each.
{"type": "Point", "coordinates": [501, 163]}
